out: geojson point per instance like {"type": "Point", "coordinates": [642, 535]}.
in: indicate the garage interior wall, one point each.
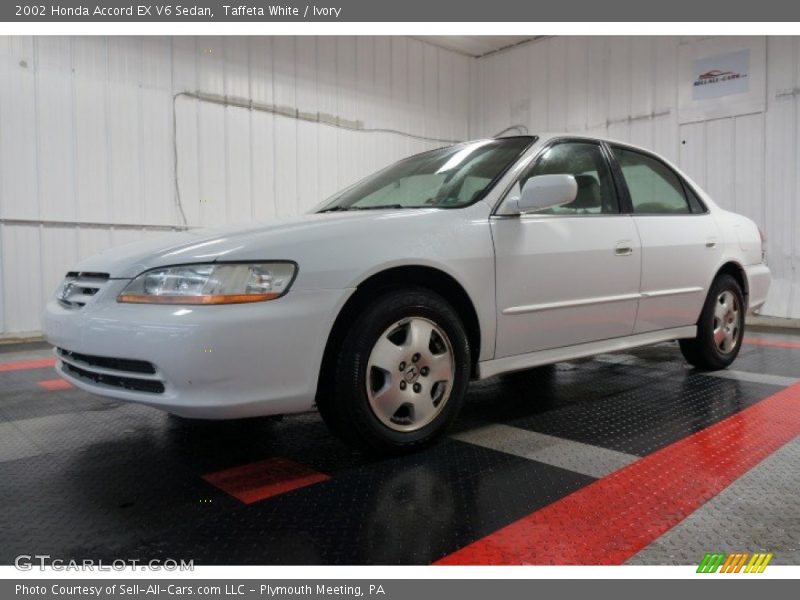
{"type": "Point", "coordinates": [88, 142]}
{"type": "Point", "coordinates": [626, 88]}
{"type": "Point", "coordinates": [88, 145]}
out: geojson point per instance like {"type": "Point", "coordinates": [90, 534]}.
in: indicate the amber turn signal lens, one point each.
{"type": "Point", "coordinates": [216, 299]}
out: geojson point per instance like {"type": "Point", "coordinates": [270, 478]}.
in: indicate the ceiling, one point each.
{"type": "Point", "coordinates": [475, 45]}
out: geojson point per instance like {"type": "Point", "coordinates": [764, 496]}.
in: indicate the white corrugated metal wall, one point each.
{"type": "Point", "coordinates": [627, 88]}
{"type": "Point", "coordinates": [87, 144]}
{"type": "Point", "coordinates": [87, 147]}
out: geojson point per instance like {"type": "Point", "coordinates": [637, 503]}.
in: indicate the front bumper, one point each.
{"type": "Point", "coordinates": [213, 362]}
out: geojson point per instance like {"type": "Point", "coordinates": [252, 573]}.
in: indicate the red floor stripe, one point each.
{"type": "Point", "coordinates": [610, 520]}
{"type": "Point", "coordinates": [766, 342]}
{"type": "Point", "coordinates": [264, 479]}
{"type": "Point", "coordinates": [23, 365]}
{"type": "Point", "coordinates": [54, 385]}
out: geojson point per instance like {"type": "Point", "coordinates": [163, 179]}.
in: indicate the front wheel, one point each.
{"type": "Point", "coordinates": [720, 329]}
{"type": "Point", "coordinates": [401, 374]}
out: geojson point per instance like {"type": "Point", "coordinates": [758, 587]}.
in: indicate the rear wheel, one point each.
{"type": "Point", "coordinates": [720, 328]}
{"type": "Point", "coordinates": [401, 373]}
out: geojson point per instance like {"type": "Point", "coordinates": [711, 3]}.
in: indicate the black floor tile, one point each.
{"type": "Point", "coordinates": [650, 414]}
{"type": "Point", "coordinates": [410, 510]}
{"type": "Point", "coordinates": [769, 359]}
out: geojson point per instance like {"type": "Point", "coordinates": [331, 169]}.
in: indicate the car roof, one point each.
{"type": "Point", "coordinates": [546, 136]}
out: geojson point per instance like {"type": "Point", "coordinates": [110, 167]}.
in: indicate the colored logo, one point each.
{"type": "Point", "coordinates": [715, 73]}
{"type": "Point", "coordinates": [716, 76]}
{"type": "Point", "coordinates": [736, 562]}
{"type": "Point", "coordinates": [66, 291]}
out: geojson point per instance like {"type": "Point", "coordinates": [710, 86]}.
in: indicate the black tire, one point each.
{"type": "Point", "coordinates": [703, 351]}
{"type": "Point", "coordinates": [347, 411]}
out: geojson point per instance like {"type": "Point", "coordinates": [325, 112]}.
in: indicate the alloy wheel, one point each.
{"type": "Point", "coordinates": [410, 374]}
{"type": "Point", "coordinates": [727, 324]}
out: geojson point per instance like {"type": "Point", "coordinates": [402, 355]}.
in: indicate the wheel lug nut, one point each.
{"type": "Point", "coordinates": [402, 385]}
{"type": "Point", "coordinates": [424, 371]}
{"type": "Point", "coordinates": [417, 388]}
{"type": "Point", "coordinates": [402, 366]}
{"type": "Point", "coordinates": [415, 358]}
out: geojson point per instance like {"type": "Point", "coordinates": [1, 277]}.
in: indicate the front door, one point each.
{"type": "Point", "coordinates": [570, 274]}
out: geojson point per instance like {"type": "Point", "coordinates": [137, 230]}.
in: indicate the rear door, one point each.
{"type": "Point", "coordinates": [680, 241]}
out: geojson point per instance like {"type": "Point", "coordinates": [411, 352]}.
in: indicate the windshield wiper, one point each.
{"type": "Point", "coordinates": [379, 206]}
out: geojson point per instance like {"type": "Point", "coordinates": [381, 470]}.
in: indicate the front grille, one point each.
{"type": "Point", "coordinates": [104, 362]}
{"type": "Point", "coordinates": [87, 275]}
{"type": "Point", "coordinates": [80, 287]}
{"type": "Point", "coordinates": [128, 383]}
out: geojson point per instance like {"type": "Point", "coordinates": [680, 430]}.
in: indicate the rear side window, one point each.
{"type": "Point", "coordinates": [694, 202]}
{"type": "Point", "coordinates": [654, 187]}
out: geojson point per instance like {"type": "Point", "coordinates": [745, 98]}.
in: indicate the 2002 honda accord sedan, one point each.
{"type": "Point", "coordinates": [378, 307]}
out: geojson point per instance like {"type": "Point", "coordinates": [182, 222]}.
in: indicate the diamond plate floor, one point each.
{"type": "Point", "coordinates": [760, 512]}
{"type": "Point", "coordinates": [86, 477]}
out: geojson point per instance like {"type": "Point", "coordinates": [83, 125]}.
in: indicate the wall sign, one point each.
{"type": "Point", "coordinates": [721, 77]}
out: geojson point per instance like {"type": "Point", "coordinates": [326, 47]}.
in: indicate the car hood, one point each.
{"type": "Point", "coordinates": [308, 240]}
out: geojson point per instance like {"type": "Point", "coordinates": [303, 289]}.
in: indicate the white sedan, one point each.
{"type": "Point", "coordinates": [381, 304]}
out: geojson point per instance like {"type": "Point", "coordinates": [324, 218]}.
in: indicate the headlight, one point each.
{"type": "Point", "coordinates": [211, 284]}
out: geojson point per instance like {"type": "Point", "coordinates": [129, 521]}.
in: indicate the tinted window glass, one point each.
{"type": "Point", "coordinates": [585, 161]}
{"type": "Point", "coordinates": [694, 202]}
{"type": "Point", "coordinates": [654, 187]}
{"type": "Point", "coordinates": [448, 177]}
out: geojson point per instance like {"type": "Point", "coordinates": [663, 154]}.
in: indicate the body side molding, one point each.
{"type": "Point", "coordinates": [489, 368]}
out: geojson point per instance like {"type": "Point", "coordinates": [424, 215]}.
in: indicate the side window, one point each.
{"type": "Point", "coordinates": [586, 162]}
{"type": "Point", "coordinates": [694, 202]}
{"type": "Point", "coordinates": [654, 187]}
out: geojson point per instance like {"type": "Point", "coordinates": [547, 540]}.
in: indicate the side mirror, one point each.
{"type": "Point", "coordinates": [547, 191]}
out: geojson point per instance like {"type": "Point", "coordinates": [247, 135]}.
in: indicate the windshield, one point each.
{"type": "Point", "coordinates": [445, 178]}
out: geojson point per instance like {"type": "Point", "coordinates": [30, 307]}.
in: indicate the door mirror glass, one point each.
{"type": "Point", "coordinates": [547, 191]}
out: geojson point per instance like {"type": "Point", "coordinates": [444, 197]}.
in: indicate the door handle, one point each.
{"type": "Point", "coordinates": [623, 249]}
{"type": "Point", "coordinates": [711, 242]}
